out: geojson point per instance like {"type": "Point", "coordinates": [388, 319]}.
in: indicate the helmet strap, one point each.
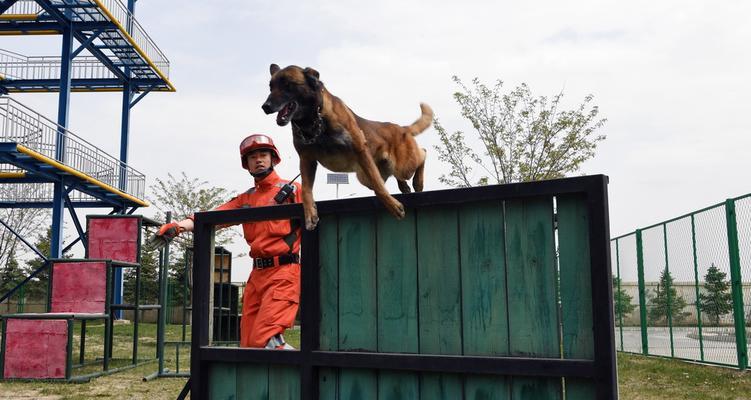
{"type": "Point", "coordinates": [262, 174]}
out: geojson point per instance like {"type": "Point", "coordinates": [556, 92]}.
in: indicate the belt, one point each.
{"type": "Point", "coordinates": [261, 262]}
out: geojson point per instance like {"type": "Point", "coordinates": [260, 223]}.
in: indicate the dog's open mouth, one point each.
{"type": "Point", "coordinates": [285, 114]}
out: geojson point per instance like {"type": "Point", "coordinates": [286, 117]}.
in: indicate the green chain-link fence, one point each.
{"type": "Point", "coordinates": [680, 286]}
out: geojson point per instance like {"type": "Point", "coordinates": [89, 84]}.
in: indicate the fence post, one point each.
{"type": "Point", "coordinates": [618, 271]}
{"type": "Point", "coordinates": [668, 287]}
{"type": "Point", "coordinates": [642, 294]}
{"type": "Point", "coordinates": [696, 287]}
{"type": "Point", "coordinates": [737, 288]}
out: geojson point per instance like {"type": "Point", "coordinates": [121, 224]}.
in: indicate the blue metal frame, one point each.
{"type": "Point", "coordinates": [124, 133]}
{"type": "Point", "coordinates": [86, 43]}
{"type": "Point", "coordinates": [74, 216]}
{"type": "Point", "coordinates": [5, 5]}
{"type": "Point", "coordinates": [40, 174]}
{"type": "Point", "coordinates": [58, 217]}
{"type": "Point", "coordinates": [69, 19]}
{"type": "Point", "coordinates": [53, 85]}
{"type": "Point", "coordinates": [57, 18]}
{"type": "Point", "coordinates": [49, 26]}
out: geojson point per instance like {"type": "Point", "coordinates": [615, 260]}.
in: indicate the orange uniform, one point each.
{"type": "Point", "coordinates": [272, 294]}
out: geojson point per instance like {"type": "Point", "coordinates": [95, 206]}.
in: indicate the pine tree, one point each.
{"type": "Point", "coordinates": [622, 301]}
{"type": "Point", "coordinates": [10, 276]}
{"type": "Point", "coordinates": [666, 300]}
{"type": "Point", "coordinates": [149, 280]}
{"type": "Point", "coordinates": [37, 287]}
{"type": "Point", "coordinates": [716, 300]}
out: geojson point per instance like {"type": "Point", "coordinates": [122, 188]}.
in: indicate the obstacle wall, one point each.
{"type": "Point", "coordinates": [497, 292]}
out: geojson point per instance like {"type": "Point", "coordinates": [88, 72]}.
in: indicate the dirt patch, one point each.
{"type": "Point", "coordinates": [28, 394]}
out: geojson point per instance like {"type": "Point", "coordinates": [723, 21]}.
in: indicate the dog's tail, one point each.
{"type": "Point", "coordinates": [423, 122]}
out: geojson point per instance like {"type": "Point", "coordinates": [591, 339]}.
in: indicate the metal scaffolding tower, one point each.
{"type": "Point", "coordinates": [42, 163]}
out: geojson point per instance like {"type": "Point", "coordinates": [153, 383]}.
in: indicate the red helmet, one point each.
{"type": "Point", "coordinates": [255, 142]}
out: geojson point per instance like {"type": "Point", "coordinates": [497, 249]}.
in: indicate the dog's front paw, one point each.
{"type": "Point", "coordinates": [397, 209]}
{"type": "Point", "coordinates": [311, 222]}
{"type": "Point", "coordinates": [311, 218]}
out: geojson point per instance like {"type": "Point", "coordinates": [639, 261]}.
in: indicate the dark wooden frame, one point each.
{"type": "Point", "coordinates": [602, 369]}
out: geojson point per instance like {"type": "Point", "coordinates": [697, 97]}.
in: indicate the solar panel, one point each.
{"type": "Point", "coordinates": [337, 179]}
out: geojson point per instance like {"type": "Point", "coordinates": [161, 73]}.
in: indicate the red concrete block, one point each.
{"type": "Point", "coordinates": [35, 349]}
{"type": "Point", "coordinates": [114, 238]}
{"type": "Point", "coordinates": [79, 287]}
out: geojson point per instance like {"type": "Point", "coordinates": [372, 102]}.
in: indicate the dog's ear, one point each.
{"type": "Point", "coordinates": [273, 69]}
{"type": "Point", "coordinates": [311, 77]}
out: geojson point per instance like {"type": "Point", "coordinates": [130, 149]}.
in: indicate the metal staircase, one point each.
{"type": "Point", "coordinates": [28, 148]}
{"type": "Point", "coordinates": [124, 51]}
{"type": "Point", "coordinates": [42, 163]}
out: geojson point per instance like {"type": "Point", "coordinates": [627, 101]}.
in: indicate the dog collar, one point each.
{"type": "Point", "coordinates": [316, 129]}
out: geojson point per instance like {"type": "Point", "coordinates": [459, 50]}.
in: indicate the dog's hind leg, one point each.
{"type": "Point", "coordinates": [403, 186]}
{"type": "Point", "coordinates": [418, 180]}
{"type": "Point", "coordinates": [369, 176]}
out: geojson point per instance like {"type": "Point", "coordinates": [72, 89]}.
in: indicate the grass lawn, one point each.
{"type": "Point", "coordinates": [640, 378]}
{"type": "Point", "coordinates": [647, 378]}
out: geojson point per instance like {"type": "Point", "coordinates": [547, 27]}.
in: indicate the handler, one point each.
{"type": "Point", "coordinates": [272, 294]}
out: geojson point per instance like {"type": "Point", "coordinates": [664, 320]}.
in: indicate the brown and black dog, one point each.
{"type": "Point", "coordinates": [326, 131]}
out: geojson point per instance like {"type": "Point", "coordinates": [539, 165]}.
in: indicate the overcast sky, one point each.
{"type": "Point", "coordinates": [671, 77]}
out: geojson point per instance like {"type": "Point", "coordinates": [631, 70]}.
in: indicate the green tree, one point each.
{"type": "Point", "coordinates": [149, 280]}
{"type": "Point", "coordinates": [666, 300]}
{"type": "Point", "coordinates": [37, 287]}
{"type": "Point", "coordinates": [622, 301]}
{"type": "Point", "coordinates": [178, 280]}
{"type": "Point", "coordinates": [523, 137]}
{"type": "Point", "coordinates": [716, 299]}
{"type": "Point", "coordinates": [10, 276]}
{"type": "Point", "coordinates": [183, 197]}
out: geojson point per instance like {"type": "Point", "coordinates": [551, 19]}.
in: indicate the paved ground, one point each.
{"type": "Point", "coordinates": [686, 344]}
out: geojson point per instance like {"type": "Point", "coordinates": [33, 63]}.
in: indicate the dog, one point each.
{"type": "Point", "coordinates": [326, 131]}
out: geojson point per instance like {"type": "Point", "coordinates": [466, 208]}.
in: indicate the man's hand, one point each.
{"type": "Point", "coordinates": [164, 236]}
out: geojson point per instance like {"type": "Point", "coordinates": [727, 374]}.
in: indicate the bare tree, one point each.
{"type": "Point", "coordinates": [185, 196]}
{"type": "Point", "coordinates": [524, 138]}
{"type": "Point", "coordinates": [27, 222]}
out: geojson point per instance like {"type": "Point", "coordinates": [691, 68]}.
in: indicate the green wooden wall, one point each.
{"type": "Point", "coordinates": [476, 279]}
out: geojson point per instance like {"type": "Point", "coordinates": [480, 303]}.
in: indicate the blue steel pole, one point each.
{"type": "Point", "coordinates": [58, 213]}
{"type": "Point", "coordinates": [124, 132]}
{"type": "Point", "coordinates": [127, 99]}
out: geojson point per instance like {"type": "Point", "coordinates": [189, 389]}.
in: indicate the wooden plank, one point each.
{"type": "Point", "coordinates": [222, 381]}
{"type": "Point", "coordinates": [398, 385]}
{"type": "Point", "coordinates": [397, 301]}
{"type": "Point", "coordinates": [252, 382]}
{"type": "Point", "coordinates": [533, 316]}
{"type": "Point", "coordinates": [488, 387]}
{"type": "Point", "coordinates": [358, 384]}
{"type": "Point", "coordinates": [440, 387]}
{"type": "Point", "coordinates": [328, 256]}
{"type": "Point", "coordinates": [484, 307]}
{"type": "Point", "coordinates": [439, 298]}
{"type": "Point", "coordinates": [397, 284]}
{"type": "Point", "coordinates": [576, 288]}
{"type": "Point", "coordinates": [357, 283]}
{"type": "Point", "coordinates": [329, 295]}
{"type": "Point", "coordinates": [284, 382]}
{"type": "Point", "coordinates": [328, 384]}
{"type": "Point", "coordinates": [357, 301]}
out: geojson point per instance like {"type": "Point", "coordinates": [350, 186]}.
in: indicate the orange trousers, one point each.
{"type": "Point", "coordinates": [270, 302]}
